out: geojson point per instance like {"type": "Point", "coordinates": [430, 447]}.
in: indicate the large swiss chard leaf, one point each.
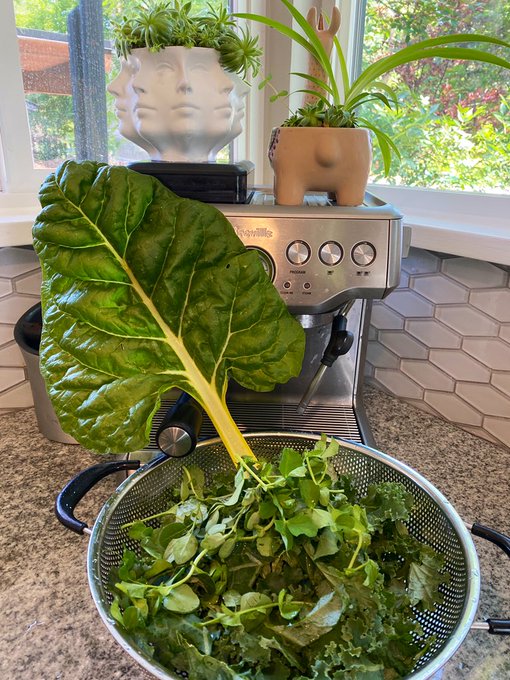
{"type": "Point", "coordinates": [144, 291]}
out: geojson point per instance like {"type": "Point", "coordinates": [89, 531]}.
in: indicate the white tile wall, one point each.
{"type": "Point", "coordinates": [458, 310]}
{"type": "Point", "coordinates": [440, 341]}
{"type": "Point", "coordinates": [20, 284]}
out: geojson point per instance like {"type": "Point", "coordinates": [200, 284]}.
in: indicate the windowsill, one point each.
{"type": "Point", "coordinates": [481, 237]}
{"type": "Point", "coordinates": [16, 226]}
{"type": "Point", "coordinates": [468, 225]}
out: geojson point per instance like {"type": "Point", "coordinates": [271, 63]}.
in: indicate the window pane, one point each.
{"type": "Point", "coordinates": [454, 118]}
{"type": "Point", "coordinates": [67, 63]}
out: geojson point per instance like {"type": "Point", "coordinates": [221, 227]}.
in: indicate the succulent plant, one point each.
{"type": "Point", "coordinates": [158, 24]}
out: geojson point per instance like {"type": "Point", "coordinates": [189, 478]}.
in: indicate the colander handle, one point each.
{"type": "Point", "coordinates": [493, 626]}
{"type": "Point", "coordinates": [493, 536]}
{"type": "Point", "coordinates": [79, 486]}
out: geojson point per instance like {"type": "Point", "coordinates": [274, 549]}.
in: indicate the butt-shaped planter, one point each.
{"type": "Point", "coordinates": [336, 160]}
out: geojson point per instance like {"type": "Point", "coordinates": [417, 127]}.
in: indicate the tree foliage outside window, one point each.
{"type": "Point", "coordinates": [51, 116]}
{"type": "Point", "coordinates": [453, 123]}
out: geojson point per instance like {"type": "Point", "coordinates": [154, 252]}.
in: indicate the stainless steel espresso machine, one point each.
{"type": "Point", "coordinates": [327, 262]}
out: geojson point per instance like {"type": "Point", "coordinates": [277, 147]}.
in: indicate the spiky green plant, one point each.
{"type": "Point", "coordinates": [337, 104]}
{"type": "Point", "coordinates": [156, 24]}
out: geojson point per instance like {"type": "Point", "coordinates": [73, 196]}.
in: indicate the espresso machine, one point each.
{"type": "Point", "coordinates": [327, 262]}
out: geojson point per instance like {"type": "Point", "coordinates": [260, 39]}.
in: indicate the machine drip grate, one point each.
{"type": "Point", "coordinates": [338, 421]}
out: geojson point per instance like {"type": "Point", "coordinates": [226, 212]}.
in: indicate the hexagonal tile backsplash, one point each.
{"type": "Point", "coordinates": [440, 341]}
{"type": "Point", "coordinates": [20, 287]}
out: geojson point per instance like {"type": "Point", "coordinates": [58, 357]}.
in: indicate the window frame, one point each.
{"type": "Point", "coordinates": [463, 223]}
{"type": "Point", "coordinates": [17, 174]}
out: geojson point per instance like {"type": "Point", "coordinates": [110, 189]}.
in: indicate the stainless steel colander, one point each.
{"type": "Point", "coordinates": [147, 491]}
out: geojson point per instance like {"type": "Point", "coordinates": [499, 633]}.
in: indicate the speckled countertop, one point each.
{"type": "Point", "coordinates": [50, 629]}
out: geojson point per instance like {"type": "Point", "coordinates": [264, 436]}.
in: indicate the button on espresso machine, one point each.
{"type": "Point", "coordinates": [328, 263]}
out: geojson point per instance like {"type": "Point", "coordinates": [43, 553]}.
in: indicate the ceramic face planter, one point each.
{"type": "Point", "coordinates": [335, 160]}
{"type": "Point", "coordinates": [121, 88]}
{"type": "Point", "coordinates": [179, 103]}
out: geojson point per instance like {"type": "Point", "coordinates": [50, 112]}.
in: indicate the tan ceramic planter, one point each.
{"type": "Point", "coordinates": [335, 160]}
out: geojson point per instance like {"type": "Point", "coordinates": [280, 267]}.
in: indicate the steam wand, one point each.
{"type": "Point", "coordinates": [340, 342]}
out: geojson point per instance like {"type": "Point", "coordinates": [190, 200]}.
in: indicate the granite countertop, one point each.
{"type": "Point", "coordinates": [50, 627]}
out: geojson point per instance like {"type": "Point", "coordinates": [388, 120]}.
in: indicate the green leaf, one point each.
{"type": "Point", "coordinates": [268, 544]}
{"type": "Point", "coordinates": [425, 577]}
{"type": "Point", "coordinates": [196, 478]}
{"type": "Point", "coordinates": [288, 608]}
{"type": "Point", "coordinates": [181, 599]}
{"type": "Point", "coordinates": [135, 591]}
{"type": "Point", "coordinates": [204, 667]}
{"type": "Point", "coordinates": [387, 501]}
{"type": "Point", "coordinates": [423, 50]}
{"type": "Point", "coordinates": [144, 291]}
{"type": "Point", "coordinates": [308, 522]}
{"type": "Point", "coordinates": [139, 530]}
{"type": "Point", "coordinates": [239, 485]}
{"type": "Point", "coordinates": [372, 573]}
{"type": "Point", "coordinates": [316, 81]}
{"type": "Point", "coordinates": [386, 144]}
{"type": "Point", "coordinates": [343, 65]}
{"type": "Point", "coordinates": [310, 492]}
{"type": "Point", "coordinates": [279, 95]}
{"type": "Point", "coordinates": [159, 566]}
{"type": "Point", "coordinates": [182, 549]}
{"type": "Point", "coordinates": [321, 619]}
{"type": "Point", "coordinates": [231, 598]}
{"type": "Point", "coordinates": [142, 606]}
{"type": "Point", "coordinates": [227, 548]}
{"type": "Point", "coordinates": [328, 544]}
{"type": "Point", "coordinates": [116, 612]}
{"type": "Point", "coordinates": [169, 531]}
{"type": "Point", "coordinates": [212, 542]}
{"type": "Point", "coordinates": [253, 609]}
{"type": "Point", "coordinates": [285, 533]}
{"type": "Point", "coordinates": [132, 618]}
{"type": "Point", "coordinates": [291, 461]}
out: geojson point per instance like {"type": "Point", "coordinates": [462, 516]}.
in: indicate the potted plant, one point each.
{"type": "Point", "coordinates": [181, 90]}
{"type": "Point", "coordinates": [325, 145]}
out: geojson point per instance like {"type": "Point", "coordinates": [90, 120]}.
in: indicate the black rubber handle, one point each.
{"type": "Point", "coordinates": [493, 536]}
{"type": "Point", "coordinates": [177, 435]}
{"type": "Point", "coordinates": [79, 486]}
{"type": "Point", "coordinates": [496, 626]}
{"type": "Point", "coordinates": [499, 626]}
{"type": "Point", "coordinates": [340, 341]}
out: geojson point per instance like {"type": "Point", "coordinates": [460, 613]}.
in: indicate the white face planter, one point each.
{"type": "Point", "coordinates": [121, 88]}
{"type": "Point", "coordinates": [178, 104]}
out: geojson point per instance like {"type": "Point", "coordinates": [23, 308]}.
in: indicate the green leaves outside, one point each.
{"type": "Point", "coordinates": [346, 104]}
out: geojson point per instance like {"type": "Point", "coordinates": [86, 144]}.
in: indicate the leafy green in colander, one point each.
{"type": "Point", "coordinates": [284, 573]}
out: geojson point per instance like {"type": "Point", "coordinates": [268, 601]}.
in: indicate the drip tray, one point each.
{"type": "Point", "coordinates": [340, 421]}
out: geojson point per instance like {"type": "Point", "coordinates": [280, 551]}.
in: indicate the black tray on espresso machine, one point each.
{"type": "Point", "coordinates": [207, 182]}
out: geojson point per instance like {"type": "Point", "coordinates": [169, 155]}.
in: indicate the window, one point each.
{"type": "Point", "coordinates": [453, 123]}
{"type": "Point", "coordinates": [66, 62]}
{"type": "Point", "coordinates": [454, 173]}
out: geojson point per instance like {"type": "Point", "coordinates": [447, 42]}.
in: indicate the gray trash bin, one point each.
{"type": "Point", "coordinates": [27, 334]}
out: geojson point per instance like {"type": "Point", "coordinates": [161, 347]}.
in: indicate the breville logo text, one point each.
{"type": "Point", "coordinates": [258, 232]}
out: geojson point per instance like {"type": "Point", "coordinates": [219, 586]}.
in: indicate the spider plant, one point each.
{"type": "Point", "coordinates": [339, 104]}
{"type": "Point", "coordinates": [158, 24]}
